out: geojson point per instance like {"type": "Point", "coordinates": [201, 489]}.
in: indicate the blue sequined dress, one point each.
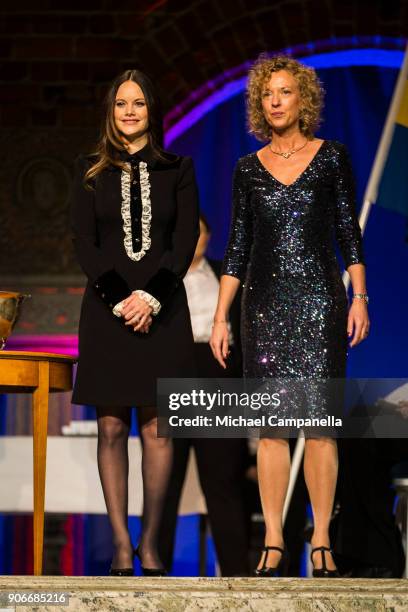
{"type": "Point", "coordinates": [282, 247]}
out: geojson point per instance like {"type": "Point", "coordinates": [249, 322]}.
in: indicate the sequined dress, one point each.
{"type": "Point", "coordinates": [282, 247]}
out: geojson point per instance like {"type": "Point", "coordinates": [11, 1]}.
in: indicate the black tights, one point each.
{"type": "Point", "coordinates": [113, 465]}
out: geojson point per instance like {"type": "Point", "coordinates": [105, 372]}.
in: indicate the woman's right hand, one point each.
{"type": "Point", "coordinates": [136, 312]}
{"type": "Point", "coordinates": [219, 342]}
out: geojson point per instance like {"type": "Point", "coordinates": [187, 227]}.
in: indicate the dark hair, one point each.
{"type": "Point", "coordinates": [110, 144]}
{"type": "Point", "coordinates": [205, 222]}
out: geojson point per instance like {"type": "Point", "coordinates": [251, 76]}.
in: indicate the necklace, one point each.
{"type": "Point", "coordinates": [287, 154]}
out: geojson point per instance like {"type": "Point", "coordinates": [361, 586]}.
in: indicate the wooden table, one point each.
{"type": "Point", "coordinates": [39, 374]}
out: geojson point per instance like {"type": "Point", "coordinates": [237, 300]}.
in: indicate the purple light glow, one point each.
{"type": "Point", "coordinates": [232, 81]}
{"type": "Point", "coordinates": [60, 344]}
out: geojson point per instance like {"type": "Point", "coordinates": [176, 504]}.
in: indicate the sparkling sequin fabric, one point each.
{"type": "Point", "coordinates": [282, 246]}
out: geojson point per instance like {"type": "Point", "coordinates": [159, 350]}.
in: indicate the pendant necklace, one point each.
{"type": "Point", "coordinates": [287, 154]}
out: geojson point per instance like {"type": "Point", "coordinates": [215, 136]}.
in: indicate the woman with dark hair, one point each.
{"type": "Point", "coordinates": [135, 227]}
{"type": "Point", "coordinates": [290, 200]}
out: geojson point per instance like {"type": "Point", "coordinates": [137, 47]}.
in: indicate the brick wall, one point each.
{"type": "Point", "coordinates": [57, 57]}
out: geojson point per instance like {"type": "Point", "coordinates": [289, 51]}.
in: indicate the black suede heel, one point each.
{"type": "Point", "coordinates": [273, 572]}
{"type": "Point", "coordinates": [147, 571]}
{"type": "Point", "coordinates": [323, 572]}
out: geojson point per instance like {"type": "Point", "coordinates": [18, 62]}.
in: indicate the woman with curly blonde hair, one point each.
{"type": "Point", "coordinates": [290, 199]}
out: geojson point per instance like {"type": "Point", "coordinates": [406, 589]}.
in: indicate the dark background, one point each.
{"type": "Point", "coordinates": [57, 59]}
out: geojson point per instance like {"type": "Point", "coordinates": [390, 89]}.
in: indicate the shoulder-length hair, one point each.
{"type": "Point", "coordinates": [311, 94]}
{"type": "Point", "coordinates": [107, 150]}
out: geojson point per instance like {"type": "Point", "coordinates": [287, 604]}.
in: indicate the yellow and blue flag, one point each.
{"type": "Point", "coordinates": [393, 185]}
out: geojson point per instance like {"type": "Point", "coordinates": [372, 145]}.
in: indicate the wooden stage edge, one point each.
{"type": "Point", "coordinates": [221, 594]}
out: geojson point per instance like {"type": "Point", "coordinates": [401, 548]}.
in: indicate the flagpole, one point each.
{"type": "Point", "coordinates": [388, 131]}
{"type": "Point", "coordinates": [370, 198]}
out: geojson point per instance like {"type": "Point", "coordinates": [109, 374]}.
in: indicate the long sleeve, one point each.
{"type": "Point", "coordinates": [347, 229]}
{"type": "Point", "coordinates": [111, 287]}
{"type": "Point", "coordinates": [240, 239]}
{"type": "Point", "coordinates": [176, 260]}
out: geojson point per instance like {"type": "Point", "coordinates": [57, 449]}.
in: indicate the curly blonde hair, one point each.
{"type": "Point", "coordinates": [311, 94]}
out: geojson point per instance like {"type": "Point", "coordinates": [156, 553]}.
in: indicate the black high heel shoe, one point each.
{"type": "Point", "coordinates": [323, 572]}
{"type": "Point", "coordinates": [127, 571]}
{"type": "Point", "coordinates": [278, 570]}
{"type": "Point", "coordinates": [149, 571]}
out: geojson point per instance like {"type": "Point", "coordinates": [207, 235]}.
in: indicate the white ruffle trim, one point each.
{"type": "Point", "coordinates": [146, 211]}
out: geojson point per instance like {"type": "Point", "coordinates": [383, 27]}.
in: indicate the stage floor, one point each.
{"type": "Point", "coordinates": [227, 594]}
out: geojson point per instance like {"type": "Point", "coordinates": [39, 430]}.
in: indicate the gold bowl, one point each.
{"type": "Point", "coordinates": [10, 308]}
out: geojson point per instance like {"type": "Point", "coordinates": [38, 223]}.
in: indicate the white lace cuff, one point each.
{"type": "Point", "coordinates": [155, 304]}
{"type": "Point", "coordinates": [117, 310]}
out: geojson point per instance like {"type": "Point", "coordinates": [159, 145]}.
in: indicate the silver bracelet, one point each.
{"type": "Point", "coordinates": [361, 296]}
{"type": "Point", "coordinates": [149, 299]}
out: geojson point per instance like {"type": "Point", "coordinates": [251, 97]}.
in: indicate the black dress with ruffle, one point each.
{"type": "Point", "coordinates": [153, 210]}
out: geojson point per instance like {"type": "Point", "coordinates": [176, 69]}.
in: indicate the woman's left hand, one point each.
{"type": "Point", "coordinates": [146, 326]}
{"type": "Point", "coordinates": [358, 324]}
{"type": "Point", "coordinates": [136, 312]}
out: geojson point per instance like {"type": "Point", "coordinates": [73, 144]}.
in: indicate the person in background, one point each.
{"type": "Point", "coordinates": [221, 462]}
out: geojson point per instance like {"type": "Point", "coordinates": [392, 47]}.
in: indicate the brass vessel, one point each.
{"type": "Point", "coordinates": [10, 308]}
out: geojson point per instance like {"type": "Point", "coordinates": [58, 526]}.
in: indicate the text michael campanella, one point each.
{"type": "Point", "coordinates": [221, 400]}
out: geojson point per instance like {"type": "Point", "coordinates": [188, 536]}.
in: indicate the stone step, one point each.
{"type": "Point", "coordinates": [102, 594]}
